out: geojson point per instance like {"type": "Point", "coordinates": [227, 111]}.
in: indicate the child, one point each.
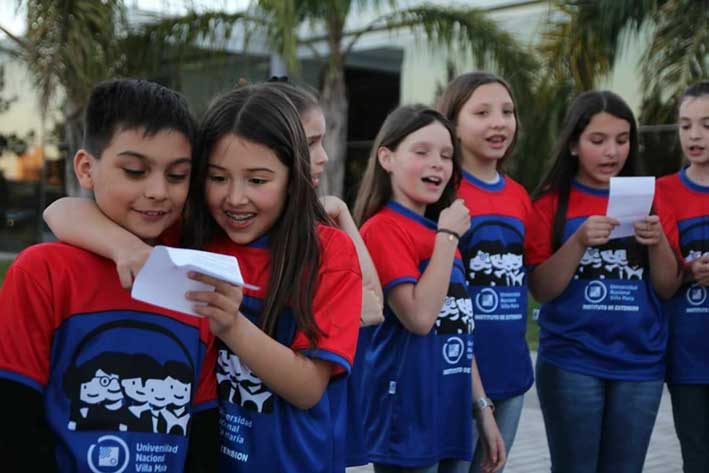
{"type": "Point", "coordinates": [600, 364]}
{"type": "Point", "coordinates": [70, 335]}
{"type": "Point", "coordinates": [252, 196]}
{"type": "Point", "coordinates": [687, 195]}
{"type": "Point", "coordinates": [419, 369]}
{"type": "Point", "coordinates": [481, 106]}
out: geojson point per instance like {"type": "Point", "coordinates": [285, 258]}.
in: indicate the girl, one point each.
{"type": "Point", "coordinates": [687, 195]}
{"type": "Point", "coordinates": [481, 106]}
{"type": "Point", "coordinates": [420, 371]}
{"type": "Point", "coordinates": [252, 196]}
{"type": "Point", "coordinates": [600, 363]}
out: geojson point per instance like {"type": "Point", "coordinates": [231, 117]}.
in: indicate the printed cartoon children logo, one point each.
{"type": "Point", "coordinates": [109, 454]}
{"type": "Point", "coordinates": [129, 392]}
{"type": "Point", "coordinates": [456, 314]}
{"type": "Point", "coordinates": [613, 262]}
{"type": "Point", "coordinates": [239, 385]}
{"type": "Point", "coordinates": [492, 251]}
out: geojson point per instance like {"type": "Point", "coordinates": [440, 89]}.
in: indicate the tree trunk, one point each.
{"type": "Point", "coordinates": [333, 100]}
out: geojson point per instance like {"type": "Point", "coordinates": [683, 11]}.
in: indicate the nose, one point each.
{"type": "Point", "coordinates": [498, 120]}
{"type": "Point", "coordinates": [237, 194]}
{"type": "Point", "coordinates": [694, 133]}
{"type": "Point", "coordinates": [612, 149]}
{"type": "Point", "coordinates": [156, 187]}
{"type": "Point", "coordinates": [320, 157]}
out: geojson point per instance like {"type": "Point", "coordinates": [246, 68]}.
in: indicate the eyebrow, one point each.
{"type": "Point", "coordinates": [142, 157]}
{"type": "Point", "coordinates": [249, 169]}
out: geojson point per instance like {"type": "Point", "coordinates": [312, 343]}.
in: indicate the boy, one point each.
{"type": "Point", "coordinates": [86, 372]}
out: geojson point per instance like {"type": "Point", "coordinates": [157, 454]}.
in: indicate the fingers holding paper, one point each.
{"type": "Point", "coordinates": [648, 231]}
{"type": "Point", "coordinates": [220, 305]}
{"type": "Point", "coordinates": [596, 230]}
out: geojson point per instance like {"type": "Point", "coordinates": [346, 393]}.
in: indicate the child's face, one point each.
{"type": "Point", "coordinates": [140, 182]}
{"type": "Point", "coordinates": [602, 149]}
{"type": "Point", "coordinates": [486, 123]}
{"type": "Point", "coordinates": [694, 128]}
{"type": "Point", "coordinates": [420, 167]}
{"type": "Point", "coordinates": [313, 123]}
{"type": "Point", "coordinates": [246, 188]}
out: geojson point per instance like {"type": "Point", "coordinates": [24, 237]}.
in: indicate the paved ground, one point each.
{"type": "Point", "coordinates": [530, 453]}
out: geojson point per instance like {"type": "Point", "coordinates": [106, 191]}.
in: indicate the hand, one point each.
{"type": "Point", "coordinates": [333, 206]}
{"type": "Point", "coordinates": [129, 262]}
{"type": "Point", "coordinates": [595, 230]}
{"type": "Point", "coordinates": [495, 455]}
{"type": "Point", "coordinates": [222, 304]}
{"type": "Point", "coordinates": [699, 269]}
{"type": "Point", "coordinates": [648, 231]}
{"type": "Point", "coordinates": [455, 218]}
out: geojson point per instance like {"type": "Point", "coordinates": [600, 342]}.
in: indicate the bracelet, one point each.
{"type": "Point", "coordinates": [450, 233]}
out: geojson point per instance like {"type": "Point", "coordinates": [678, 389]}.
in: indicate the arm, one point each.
{"type": "Point", "coordinates": [417, 305]}
{"type": "Point", "coordinates": [664, 268]}
{"type": "Point", "coordinates": [372, 298]}
{"type": "Point", "coordinates": [79, 222]}
{"type": "Point", "coordinates": [495, 455]}
{"type": "Point", "coordinates": [548, 280]}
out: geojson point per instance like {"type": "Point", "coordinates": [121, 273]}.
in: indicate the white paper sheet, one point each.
{"type": "Point", "coordinates": [629, 200]}
{"type": "Point", "coordinates": [163, 279]}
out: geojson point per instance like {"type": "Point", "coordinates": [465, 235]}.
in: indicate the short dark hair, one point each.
{"type": "Point", "coordinates": [125, 104]}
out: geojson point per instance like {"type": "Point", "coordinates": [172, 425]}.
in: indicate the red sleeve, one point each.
{"type": "Point", "coordinates": [206, 394]}
{"type": "Point", "coordinates": [668, 220]}
{"type": "Point", "coordinates": [393, 252]}
{"type": "Point", "coordinates": [26, 322]}
{"type": "Point", "coordinates": [337, 305]}
{"type": "Point", "coordinates": [538, 244]}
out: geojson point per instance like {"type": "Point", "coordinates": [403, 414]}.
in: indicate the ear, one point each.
{"type": "Point", "coordinates": [384, 156]}
{"type": "Point", "coordinates": [84, 164]}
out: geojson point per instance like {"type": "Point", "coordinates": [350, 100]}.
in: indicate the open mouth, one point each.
{"type": "Point", "coordinates": [695, 149]}
{"type": "Point", "coordinates": [240, 218]}
{"type": "Point", "coordinates": [432, 180]}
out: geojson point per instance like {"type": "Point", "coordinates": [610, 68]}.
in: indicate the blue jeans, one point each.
{"type": "Point", "coordinates": [690, 409]}
{"type": "Point", "coordinates": [507, 414]}
{"type": "Point", "coordinates": [596, 425]}
{"type": "Point", "coordinates": [444, 466]}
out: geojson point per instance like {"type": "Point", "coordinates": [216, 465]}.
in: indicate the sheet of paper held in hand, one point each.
{"type": "Point", "coordinates": [629, 200]}
{"type": "Point", "coordinates": [163, 279]}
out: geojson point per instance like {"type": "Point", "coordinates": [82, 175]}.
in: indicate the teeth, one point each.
{"type": "Point", "coordinates": [239, 217]}
{"type": "Point", "coordinates": [432, 180]}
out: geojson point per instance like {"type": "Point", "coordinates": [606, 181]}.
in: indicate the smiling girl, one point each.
{"type": "Point", "coordinates": [600, 365]}
{"type": "Point", "coordinates": [420, 370]}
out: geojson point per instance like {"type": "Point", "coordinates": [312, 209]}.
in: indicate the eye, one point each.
{"type": "Point", "coordinates": [482, 113]}
{"type": "Point", "coordinates": [177, 177]}
{"type": "Point", "coordinates": [447, 157]}
{"type": "Point", "coordinates": [134, 173]}
{"type": "Point", "coordinates": [508, 112]}
{"type": "Point", "coordinates": [216, 178]}
{"type": "Point", "coordinates": [257, 180]}
{"type": "Point", "coordinates": [104, 381]}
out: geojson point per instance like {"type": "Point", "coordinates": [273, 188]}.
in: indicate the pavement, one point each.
{"type": "Point", "coordinates": [530, 453]}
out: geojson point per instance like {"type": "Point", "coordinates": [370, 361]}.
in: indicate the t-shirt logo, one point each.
{"type": "Point", "coordinates": [109, 454]}
{"type": "Point", "coordinates": [456, 314]}
{"type": "Point", "coordinates": [609, 262]}
{"type": "Point", "coordinates": [239, 385]}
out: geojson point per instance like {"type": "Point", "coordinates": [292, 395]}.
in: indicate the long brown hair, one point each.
{"type": "Point", "coordinates": [264, 115]}
{"type": "Point", "coordinates": [375, 190]}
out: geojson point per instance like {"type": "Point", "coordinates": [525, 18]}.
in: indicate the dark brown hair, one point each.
{"type": "Point", "coordinates": [375, 190]}
{"type": "Point", "coordinates": [459, 91]}
{"type": "Point", "coordinates": [262, 114]}
{"type": "Point", "coordinates": [565, 165]}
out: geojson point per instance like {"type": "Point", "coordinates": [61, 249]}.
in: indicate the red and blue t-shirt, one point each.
{"type": "Point", "coordinates": [419, 388]}
{"type": "Point", "coordinates": [260, 431]}
{"type": "Point", "coordinates": [608, 322]}
{"type": "Point", "coordinates": [493, 258]}
{"type": "Point", "coordinates": [120, 378]}
{"type": "Point", "coordinates": [688, 310]}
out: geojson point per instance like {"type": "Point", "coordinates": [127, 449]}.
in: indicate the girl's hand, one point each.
{"type": "Point", "coordinates": [648, 231]}
{"type": "Point", "coordinates": [455, 218]}
{"type": "Point", "coordinates": [222, 304]}
{"type": "Point", "coordinates": [699, 269]}
{"type": "Point", "coordinates": [333, 206]}
{"type": "Point", "coordinates": [495, 455]}
{"type": "Point", "coordinates": [130, 261]}
{"type": "Point", "coordinates": [595, 230]}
